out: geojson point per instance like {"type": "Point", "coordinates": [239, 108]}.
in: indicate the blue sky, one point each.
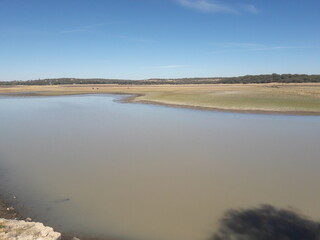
{"type": "Point", "coordinates": [140, 39]}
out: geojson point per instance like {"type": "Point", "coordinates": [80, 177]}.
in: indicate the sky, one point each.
{"type": "Point", "coordinates": [141, 39]}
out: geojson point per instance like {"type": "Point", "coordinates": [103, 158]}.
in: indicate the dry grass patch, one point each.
{"type": "Point", "coordinates": [300, 98]}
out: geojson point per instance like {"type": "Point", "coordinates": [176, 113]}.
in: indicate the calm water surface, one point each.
{"type": "Point", "coordinates": [148, 172]}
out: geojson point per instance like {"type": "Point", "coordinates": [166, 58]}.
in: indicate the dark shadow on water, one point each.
{"type": "Point", "coordinates": [266, 223]}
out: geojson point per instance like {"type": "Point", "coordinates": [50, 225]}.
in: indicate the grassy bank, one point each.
{"type": "Point", "coordinates": [299, 98]}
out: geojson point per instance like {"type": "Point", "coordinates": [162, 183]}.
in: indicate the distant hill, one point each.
{"type": "Point", "coordinates": [268, 78]}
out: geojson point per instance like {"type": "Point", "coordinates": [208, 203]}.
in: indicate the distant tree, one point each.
{"type": "Point", "coordinates": [266, 223]}
{"type": "Point", "coordinates": [284, 78]}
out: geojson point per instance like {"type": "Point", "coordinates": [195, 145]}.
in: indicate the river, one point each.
{"type": "Point", "coordinates": [91, 165]}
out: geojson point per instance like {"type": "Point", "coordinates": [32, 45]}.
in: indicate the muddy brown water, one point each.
{"type": "Point", "coordinates": [93, 166]}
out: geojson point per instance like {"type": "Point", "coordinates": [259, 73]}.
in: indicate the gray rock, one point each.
{"type": "Point", "coordinates": [22, 230]}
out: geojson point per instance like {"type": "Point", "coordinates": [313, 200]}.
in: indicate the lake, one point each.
{"type": "Point", "coordinates": [93, 166]}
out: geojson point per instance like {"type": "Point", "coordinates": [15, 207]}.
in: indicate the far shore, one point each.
{"type": "Point", "coordinates": [271, 98]}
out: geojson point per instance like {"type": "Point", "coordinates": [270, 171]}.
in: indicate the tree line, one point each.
{"type": "Point", "coordinates": [266, 78]}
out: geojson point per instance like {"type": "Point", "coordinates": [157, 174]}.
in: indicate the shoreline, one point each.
{"type": "Point", "coordinates": [7, 211]}
{"type": "Point", "coordinates": [228, 110]}
{"type": "Point", "coordinates": [270, 98]}
{"type": "Point", "coordinates": [132, 98]}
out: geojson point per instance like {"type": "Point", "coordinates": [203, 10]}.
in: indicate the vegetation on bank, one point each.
{"type": "Point", "coordinates": [269, 78]}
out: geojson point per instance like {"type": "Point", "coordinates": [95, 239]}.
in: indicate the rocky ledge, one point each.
{"type": "Point", "coordinates": [22, 230]}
